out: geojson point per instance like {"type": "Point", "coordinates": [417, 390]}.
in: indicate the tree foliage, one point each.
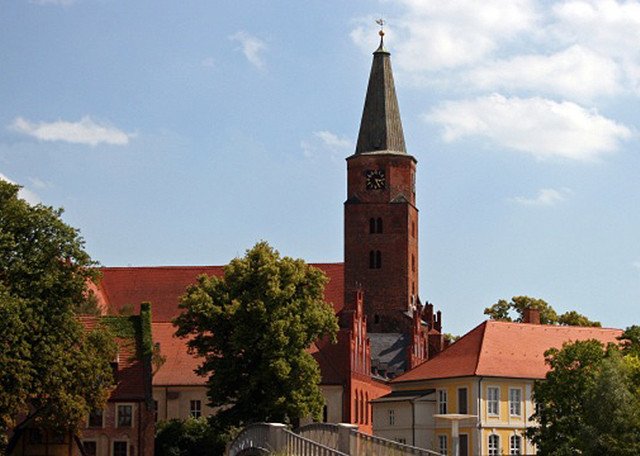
{"type": "Point", "coordinates": [589, 403]}
{"type": "Point", "coordinates": [253, 327]}
{"type": "Point", "coordinates": [48, 363]}
{"type": "Point", "coordinates": [190, 437]}
{"type": "Point", "coordinates": [514, 311]}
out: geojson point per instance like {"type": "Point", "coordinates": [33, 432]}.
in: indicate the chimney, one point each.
{"type": "Point", "coordinates": [530, 315]}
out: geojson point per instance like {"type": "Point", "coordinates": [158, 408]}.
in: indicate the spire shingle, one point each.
{"type": "Point", "coordinates": [380, 127]}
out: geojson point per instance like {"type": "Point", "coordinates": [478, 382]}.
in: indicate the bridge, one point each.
{"type": "Point", "coordinates": [317, 439]}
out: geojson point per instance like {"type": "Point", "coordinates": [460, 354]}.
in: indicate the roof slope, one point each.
{"type": "Point", "coordinates": [179, 365]}
{"type": "Point", "coordinates": [381, 127]}
{"type": "Point", "coordinates": [163, 286]}
{"type": "Point", "coordinates": [504, 349]}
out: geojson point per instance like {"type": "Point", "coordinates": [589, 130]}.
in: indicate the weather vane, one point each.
{"type": "Point", "coordinates": [381, 23]}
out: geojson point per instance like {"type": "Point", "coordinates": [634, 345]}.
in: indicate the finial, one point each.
{"type": "Point", "coordinates": [381, 22]}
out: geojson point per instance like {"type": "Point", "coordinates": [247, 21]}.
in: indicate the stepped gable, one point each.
{"type": "Point", "coordinates": [162, 286]}
{"type": "Point", "coordinates": [504, 349]}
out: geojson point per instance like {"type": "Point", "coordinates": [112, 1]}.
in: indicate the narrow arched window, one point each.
{"type": "Point", "coordinates": [378, 259]}
{"type": "Point", "coordinates": [372, 259]}
{"type": "Point", "coordinates": [379, 225]}
{"type": "Point", "coordinates": [363, 417]}
{"type": "Point", "coordinates": [413, 262]}
{"type": "Point", "coordinates": [372, 225]}
{"type": "Point", "coordinates": [367, 415]}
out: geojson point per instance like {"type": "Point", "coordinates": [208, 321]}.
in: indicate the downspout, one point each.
{"type": "Point", "coordinates": [413, 423]}
{"type": "Point", "coordinates": [479, 411]}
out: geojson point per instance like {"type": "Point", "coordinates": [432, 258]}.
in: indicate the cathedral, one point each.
{"type": "Point", "coordinates": [385, 329]}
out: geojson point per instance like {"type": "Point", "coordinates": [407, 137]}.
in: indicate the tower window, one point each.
{"type": "Point", "coordinates": [375, 225]}
{"type": "Point", "coordinates": [413, 262]}
{"type": "Point", "coordinates": [375, 259]}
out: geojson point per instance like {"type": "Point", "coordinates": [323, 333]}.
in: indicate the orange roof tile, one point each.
{"type": "Point", "coordinates": [179, 366]}
{"type": "Point", "coordinates": [163, 286]}
{"type": "Point", "coordinates": [503, 349]}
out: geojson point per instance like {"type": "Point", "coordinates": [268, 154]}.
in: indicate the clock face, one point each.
{"type": "Point", "coordinates": [375, 179]}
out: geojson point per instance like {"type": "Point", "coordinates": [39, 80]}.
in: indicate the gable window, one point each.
{"type": "Point", "coordinates": [196, 409]}
{"type": "Point", "coordinates": [375, 259]}
{"type": "Point", "coordinates": [494, 445]}
{"type": "Point", "coordinates": [124, 415]}
{"type": "Point", "coordinates": [462, 400]}
{"type": "Point", "coordinates": [96, 419]}
{"type": "Point", "coordinates": [493, 400]}
{"type": "Point", "coordinates": [442, 445]}
{"type": "Point", "coordinates": [515, 445]}
{"type": "Point", "coordinates": [120, 448]}
{"type": "Point", "coordinates": [442, 401]}
{"type": "Point", "coordinates": [515, 400]}
{"type": "Point", "coordinates": [392, 417]}
{"type": "Point", "coordinates": [375, 225]}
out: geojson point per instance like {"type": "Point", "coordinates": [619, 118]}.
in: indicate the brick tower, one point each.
{"type": "Point", "coordinates": [380, 215]}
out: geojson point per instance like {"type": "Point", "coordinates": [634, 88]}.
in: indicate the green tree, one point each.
{"type": "Point", "coordinates": [253, 327]}
{"type": "Point", "coordinates": [589, 403]}
{"type": "Point", "coordinates": [190, 437]}
{"type": "Point", "coordinates": [513, 310]}
{"type": "Point", "coordinates": [49, 365]}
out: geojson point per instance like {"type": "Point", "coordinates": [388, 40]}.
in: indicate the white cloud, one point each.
{"type": "Point", "coordinates": [537, 126]}
{"type": "Point", "coordinates": [325, 143]}
{"type": "Point", "coordinates": [251, 47]}
{"type": "Point", "coordinates": [38, 183]}
{"type": "Point", "coordinates": [84, 131]}
{"type": "Point", "coordinates": [545, 197]}
{"type": "Point", "coordinates": [208, 62]}
{"type": "Point", "coordinates": [434, 35]}
{"type": "Point", "coordinates": [576, 73]}
{"type": "Point", "coordinates": [24, 193]}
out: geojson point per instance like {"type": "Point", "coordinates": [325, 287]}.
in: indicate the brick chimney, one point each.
{"type": "Point", "coordinates": [532, 316]}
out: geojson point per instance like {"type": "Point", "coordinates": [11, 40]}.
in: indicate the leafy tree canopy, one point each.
{"type": "Point", "coordinates": [253, 326]}
{"type": "Point", "coordinates": [48, 363]}
{"type": "Point", "coordinates": [514, 311]}
{"type": "Point", "coordinates": [190, 437]}
{"type": "Point", "coordinates": [589, 403]}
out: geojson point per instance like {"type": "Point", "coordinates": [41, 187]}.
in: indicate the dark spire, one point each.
{"type": "Point", "coordinates": [380, 127]}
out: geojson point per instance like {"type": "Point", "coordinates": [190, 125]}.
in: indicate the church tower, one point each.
{"type": "Point", "coordinates": [380, 214]}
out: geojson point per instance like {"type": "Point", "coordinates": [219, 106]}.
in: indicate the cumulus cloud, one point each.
{"type": "Point", "coordinates": [323, 143]}
{"type": "Point", "coordinates": [85, 131]}
{"type": "Point", "coordinates": [545, 197]}
{"type": "Point", "coordinates": [577, 73]}
{"type": "Point", "coordinates": [251, 47]}
{"type": "Point", "coordinates": [536, 126]}
{"type": "Point", "coordinates": [24, 193]}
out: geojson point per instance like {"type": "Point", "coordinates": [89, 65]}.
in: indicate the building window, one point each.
{"type": "Point", "coordinates": [90, 447]}
{"type": "Point", "coordinates": [120, 448]}
{"type": "Point", "coordinates": [375, 259]}
{"type": "Point", "coordinates": [442, 401]}
{"type": "Point", "coordinates": [442, 445]}
{"type": "Point", "coordinates": [124, 413]}
{"type": "Point", "coordinates": [515, 444]}
{"type": "Point", "coordinates": [464, 445]}
{"type": "Point", "coordinates": [493, 400]}
{"type": "Point", "coordinates": [357, 408]}
{"type": "Point", "coordinates": [325, 413]}
{"type": "Point", "coordinates": [196, 409]}
{"type": "Point", "coordinates": [392, 417]}
{"type": "Point", "coordinates": [375, 225]}
{"type": "Point", "coordinates": [96, 419]}
{"type": "Point", "coordinates": [515, 401]}
{"type": "Point", "coordinates": [366, 408]}
{"type": "Point", "coordinates": [413, 262]}
{"type": "Point", "coordinates": [462, 401]}
{"type": "Point", "coordinates": [494, 445]}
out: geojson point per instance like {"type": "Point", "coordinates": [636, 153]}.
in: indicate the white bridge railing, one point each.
{"type": "Point", "coordinates": [317, 439]}
{"type": "Point", "coordinates": [276, 438]}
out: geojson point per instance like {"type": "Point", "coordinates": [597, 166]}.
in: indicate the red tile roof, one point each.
{"type": "Point", "coordinates": [179, 366]}
{"type": "Point", "coordinates": [503, 349]}
{"type": "Point", "coordinates": [163, 286]}
{"type": "Point", "coordinates": [130, 380]}
{"type": "Point", "coordinates": [333, 359]}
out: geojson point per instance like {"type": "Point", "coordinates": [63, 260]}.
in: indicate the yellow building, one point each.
{"type": "Point", "coordinates": [484, 381]}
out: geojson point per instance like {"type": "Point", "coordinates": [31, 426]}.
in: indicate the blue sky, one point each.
{"type": "Point", "coordinates": [178, 133]}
